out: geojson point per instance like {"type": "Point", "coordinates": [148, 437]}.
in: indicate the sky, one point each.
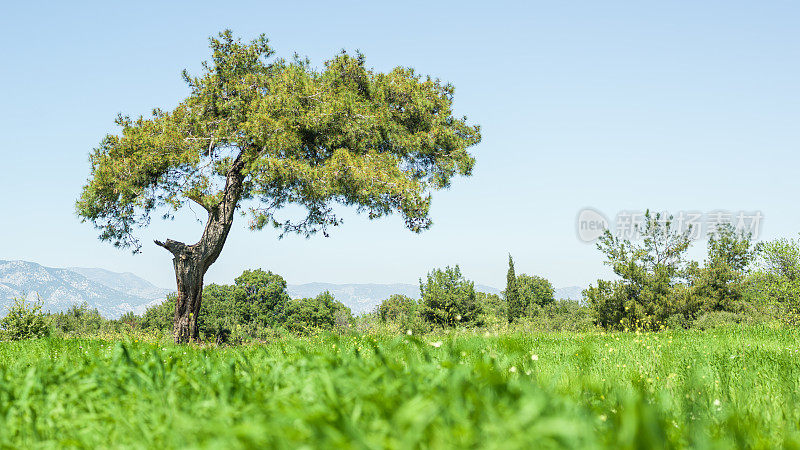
{"type": "Point", "coordinates": [618, 106]}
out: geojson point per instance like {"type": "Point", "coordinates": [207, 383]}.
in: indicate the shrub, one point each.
{"type": "Point", "coordinates": [305, 315]}
{"type": "Point", "coordinates": [561, 315]}
{"type": "Point", "coordinates": [130, 319]}
{"type": "Point", "coordinates": [716, 319]}
{"type": "Point", "coordinates": [78, 320]}
{"type": "Point", "coordinates": [397, 307]}
{"type": "Point", "coordinates": [24, 320]}
{"type": "Point", "coordinates": [160, 317]}
{"type": "Point", "coordinates": [493, 306]}
{"type": "Point", "coordinates": [218, 317]}
{"type": "Point", "coordinates": [255, 301]}
{"type": "Point", "coordinates": [534, 291]}
{"type": "Point", "coordinates": [251, 309]}
{"type": "Point", "coordinates": [402, 314]}
{"type": "Point", "coordinates": [448, 299]}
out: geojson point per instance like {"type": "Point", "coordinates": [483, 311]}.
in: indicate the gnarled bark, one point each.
{"type": "Point", "coordinates": [192, 261]}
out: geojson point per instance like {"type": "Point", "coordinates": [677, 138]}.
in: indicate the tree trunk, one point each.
{"type": "Point", "coordinates": [192, 261]}
{"type": "Point", "coordinates": [189, 274]}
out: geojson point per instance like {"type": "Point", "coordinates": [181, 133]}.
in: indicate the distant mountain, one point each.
{"type": "Point", "coordinates": [124, 282]}
{"type": "Point", "coordinates": [362, 298]}
{"type": "Point", "coordinates": [570, 293]}
{"type": "Point", "coordinates": [59, 289]}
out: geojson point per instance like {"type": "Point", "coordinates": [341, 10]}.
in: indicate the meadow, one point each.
{"type": "Point", "coordinates": [732, 387]}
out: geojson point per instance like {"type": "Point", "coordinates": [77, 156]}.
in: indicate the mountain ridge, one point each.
{"type": "Point", "coordinates": [60, 288]}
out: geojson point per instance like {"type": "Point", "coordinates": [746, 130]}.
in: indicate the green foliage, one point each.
{"type": "Point", "coordinates": [254, 302]}
{"type": "Point", "coordinates": [252, 309]}
{"type": "Point", "coordinates": [159, 317]}
{"type": "Point", "coordinates": [342, 134]}
{"type": "Point", "coordinates": [534, 292]}
{"type": "Point", "coordinates": [220, 313]}
{"type": "Point", "coordinates": [403, 314]}
{"type": "Point", "coordinates": [78, 320]}
{"type": "Point", "coordinates": [643, 298]}
{"type": "Point", "coordinates": [260, 296]}
{"type": "Point", "coordinates": [776, 281]}
{"type": "Point", "coordinates": [658, 288]}
{"type": "Point", "coordinates": [306, 315]}
{"type": "Point", "coordinates": [397, 307]}
{"type": "Point", "coordinates": [561, 315]}
{"type": "Point", "coordinates": [448, 299]}
{"type": "Point", "coordinates": [726, 388]}
{"type": "Point", "coordinates": [719, 318]}
{"type": "Point", "coordinates": [721, 283]}
{"type": "Point", "coordinates": [515, 307]}
{"type": "Point", "coordinates": [24, 320]}
{"type": "Point", "coordinates": [492, 304]}
{"type": "Point", "coordinates": [780, 257]}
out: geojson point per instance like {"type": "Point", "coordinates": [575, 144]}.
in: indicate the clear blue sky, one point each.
{"type": "Point", "coordinates": [679, 105]}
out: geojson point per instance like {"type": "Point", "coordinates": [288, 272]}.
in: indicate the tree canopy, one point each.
{"type": "Point", "coordinates": [293, 134]}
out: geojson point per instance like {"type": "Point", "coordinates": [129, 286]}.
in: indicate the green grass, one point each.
{"type": "Point", "coordinates": [727, 388]}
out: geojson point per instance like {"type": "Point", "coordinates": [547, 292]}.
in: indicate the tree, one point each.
{"type": "Point", "coordinates": [260, 296]}
{"type": "Point", "coordinates": [24, 320]}
{"type": "Point", "coordinates": [492, 304]}
{"type": "Point", "coordinates": [159, 317]}
{"type": "Point", "coordinates": [776, 278]}
{"type": "Point", "coordinates": [81, 319]}
{"type": "Point", "coordinates": [397, 307]}
{"type": "Point", "coordinates": [274, 133]}
{"type": "Point", "coordinates": [448, 299]}
{"type": "Point", "coordinates": [534, 292]}
{"type": "Point", "coordinates": [515, 307]}
{"type": "Point", "coordinates": [219, 314]}
{"type": "Point", "coordinates": [649, 272]}
{"type": "Point", "coordinates": [780, 257]}
{"type": "Point", "coordinates": [305, 315]}
{"type": "Point", "coordinates": [255, 301]}
{"type": "Point", "coordinates": [720, 284]}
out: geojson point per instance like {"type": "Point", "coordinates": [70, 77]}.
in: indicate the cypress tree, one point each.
{"type": "Point", "coordinates": [513, 299]}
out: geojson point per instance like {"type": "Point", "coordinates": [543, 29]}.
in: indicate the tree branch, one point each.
{"type": "Point", "coordinates": [174, 247]}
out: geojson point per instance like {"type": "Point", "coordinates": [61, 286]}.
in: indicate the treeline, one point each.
{"type": "Point", "coordinates": [656, 287]}
{"type": "Point", "coordinates": [255, 307]}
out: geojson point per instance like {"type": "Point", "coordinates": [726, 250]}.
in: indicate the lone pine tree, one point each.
{"type": "Point", "coordinates": [273, 133]}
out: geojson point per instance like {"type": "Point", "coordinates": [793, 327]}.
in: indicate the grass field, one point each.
{"type": "Point", "coordinates": [718, 389]}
